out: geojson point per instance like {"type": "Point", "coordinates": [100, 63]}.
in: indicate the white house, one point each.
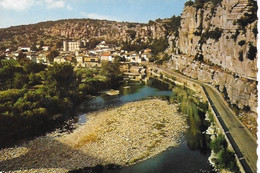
{"type": "Point", "coordinates": [106, 57]}
{"type": "Point", "coordinates": [45, 48]}
{"type": "Point", "coordinates": [71, 46]}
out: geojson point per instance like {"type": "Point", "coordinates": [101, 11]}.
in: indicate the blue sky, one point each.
{"type": "Point", "coordinates": [17, 12]}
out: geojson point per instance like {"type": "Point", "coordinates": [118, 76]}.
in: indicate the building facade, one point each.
{"type": "Point", "coordinates": [71, 46]}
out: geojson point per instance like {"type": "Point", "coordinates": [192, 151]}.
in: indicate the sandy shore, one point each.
{"type": "Point", "coordinates": [124, 135]}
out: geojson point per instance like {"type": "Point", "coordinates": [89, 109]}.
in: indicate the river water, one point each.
{"type": "Point", "coordinates": [190, 156]}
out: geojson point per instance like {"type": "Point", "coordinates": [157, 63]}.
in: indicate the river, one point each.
{"type": "Point", "coordinates": [190, 156]}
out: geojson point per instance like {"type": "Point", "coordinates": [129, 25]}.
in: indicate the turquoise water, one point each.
{"type": "Point", "coordinates": [190, 156]}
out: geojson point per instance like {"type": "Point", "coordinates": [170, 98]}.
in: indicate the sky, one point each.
{"type": "Point", "coordinates": [17, 12]}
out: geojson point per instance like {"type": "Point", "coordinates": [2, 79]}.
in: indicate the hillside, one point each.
{"type": "Point", "coordinates": [52, 32]}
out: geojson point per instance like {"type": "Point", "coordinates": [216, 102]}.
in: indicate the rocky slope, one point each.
{"type": "Point", "coordinates": [52, 32]}
{"type": "Point", "coordinates": [217, 44]}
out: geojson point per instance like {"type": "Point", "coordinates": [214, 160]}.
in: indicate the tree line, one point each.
{"type": "Point", "coordinates": [34, 97]}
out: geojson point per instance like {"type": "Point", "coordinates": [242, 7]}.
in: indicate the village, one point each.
{"type": "Point", "coordinates": [74, 51]}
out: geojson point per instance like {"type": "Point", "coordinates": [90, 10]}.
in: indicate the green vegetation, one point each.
{"type": "Point", "coordinates": [255, 30]}
{"type": "Point", "coordinates": [251, 55]}
{"type": "Point", "coordinates": [195, 111]}
{"type": "Point", "coordinates": [241, 43]}
{"type": "Point", "coordinates": [51, 55]}
{"type": "Point", "coordinates": [8, 63]}
{"type": "Point", "coordinates": [248, 17]}
{"type": "Point", "coordinates": [240, 56]}
{"type": "Point", "coordinates": [161, 58]}
{"type": "Point", "coordinates": [34, 97]}
{"type": "Point", "coordinates": [200, 3]}
{"type": "Point", "coordinates": [225, 158]}
{"type": "Point", "coordinates": [189, 3]}
{"type": "Point", "coordinates": [215, 34]}
{"type": "Point", "coordinates": [211, 117]}
{"type": "Point", "coordinates": [235, 35]}
{"type": "Point", "coordinates": [173, 25]}
{"type": "Point", "coordinates": [218, 144]}
{"type": "Point", "coordinates": [158, 46]}
{"type": "Point", "coordinates": [131, 33]}
{"type": "Point", "coordinates": [199, 57]}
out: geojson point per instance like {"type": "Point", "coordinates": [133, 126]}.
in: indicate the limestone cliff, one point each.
{"type": "Point", "coordinates": [53, 31]}
{"type": "Point", "coordinates": [217, 44]}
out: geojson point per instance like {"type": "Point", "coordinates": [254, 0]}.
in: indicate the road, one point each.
{"type": "Point", "coordinates": [241, 139]}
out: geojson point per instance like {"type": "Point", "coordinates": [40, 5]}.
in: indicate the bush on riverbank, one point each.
{"type": "Point", "coordinates": [35, 96]}
{"type": "Point", "coordinates": [225, 158]}
{"type": "Point", "coordinates": [195, 110]}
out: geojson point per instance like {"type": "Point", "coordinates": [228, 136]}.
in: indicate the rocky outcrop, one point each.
{"type": "Point", "coordinates": [217, 44]}
{"type": "Point", "coordinates": [84, 29]}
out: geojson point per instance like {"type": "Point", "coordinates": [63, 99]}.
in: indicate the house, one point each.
{"type": "Point", "coordinates": [59, 60]}
{"type": "Point", "coordinates": [92, 61]}
{"type": "Point", "coordinates": [42, 58]}
{"type": "Point", "coordinates": [69, 58]}
{"type": "Point", "coordinates": [146, 56]}
{"type": "Point", "coordinates": [106, 57]}
{"type": "Point", "coordinates": [45, 48]}
{"type": "Point", "coordinates": [147, 50]}
{"type": "Point", "coordinates": [135, 58]}
{"type": "Point", "coordinates": [71, 46]}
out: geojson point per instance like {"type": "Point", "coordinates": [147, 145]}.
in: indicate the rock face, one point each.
{"type": "Point", "coordinates": [217, 44]}
{"type": "Point", "coordinates": [81, 29]}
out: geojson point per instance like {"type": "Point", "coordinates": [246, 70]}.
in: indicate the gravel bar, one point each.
{"type": "Point", "coordinates": [123, 135]}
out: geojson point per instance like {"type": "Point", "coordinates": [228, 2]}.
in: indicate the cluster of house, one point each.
{"type": "Point", "coordinates": [34, 56]}
{"type": "Point", "coordinates": [73, 52]}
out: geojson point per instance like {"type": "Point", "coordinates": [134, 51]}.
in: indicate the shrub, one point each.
{"type": "Point", "coordinates": [215, 34]}
{"type": "Point", "coordinates": [240, 57]}
{"type": "Point", "coordinates": [250, 17]}
{"type": "Point", "coordinates": [189, 3]}
{"type": "Point", "coordinates": [216, 2]}
{"type": "Point", "coordinates": [218, 144]}
{"type": "Point", "coordinates": [235, 35]}
{"type": "Point", "coordinates": [226, 160]}
{"type": "Point", "coordinates": [241, 43]}
{"type": "Point", "coordinates": [199, 57]}
{"type": "Point", "coordinates": [255, 30]}
{"type": "Point", "coordinates": [251, 52]}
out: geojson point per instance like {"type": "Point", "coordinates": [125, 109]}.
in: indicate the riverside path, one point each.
{"type": "Point", "coordinates": [241, 139]}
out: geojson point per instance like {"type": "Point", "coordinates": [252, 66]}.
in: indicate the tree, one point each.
{"type": "Point", "coordinates": [33, 67]}
{"type": "Point", "coordinates": [189, 3]}
{"type": "Point", "coordinates": [111, 70]}
{"type": "Point", "coordinates": [21, 58]}
{"type": "Point", "coordinates": [131, 33]}
{"type": "Point", "coordinates": [159, 45]}
{"type": "Point", "coordinates": [52, 54]}
{"type": "Point", "coordinates": [20, 80]}
{"type": "Point", "coordinates": [33, 47]}
{"type": "Point", "coordinates": [61, 79]}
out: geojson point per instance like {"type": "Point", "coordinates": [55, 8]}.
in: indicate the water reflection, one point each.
{"type": "Point", "coordinates": [193, 152]}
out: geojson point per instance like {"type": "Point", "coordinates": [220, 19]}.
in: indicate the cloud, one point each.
{"type": "Point", "coordinates": [19, 5]}
{"type": "Point", "coordinates": [55, 4]}
{"type": "Point", "coordinates": [69, 8]}
{"type": "Point", "coordinates": [97, 16]}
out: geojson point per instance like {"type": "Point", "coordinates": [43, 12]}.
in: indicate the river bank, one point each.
{"type": "Point", "coordinates": [123, 136]}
